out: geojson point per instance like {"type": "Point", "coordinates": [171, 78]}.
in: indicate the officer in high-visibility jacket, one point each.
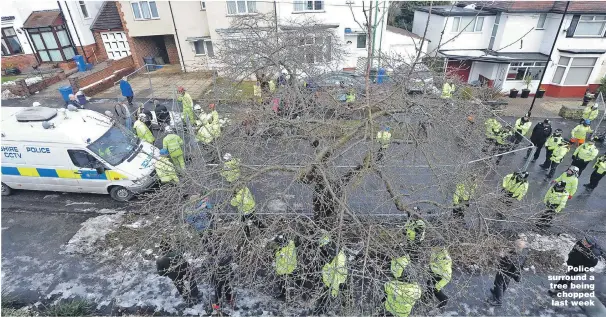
{"type": "Point", "coordinates": [502, 142]}
{"type": "Point", "coordinates": [231, 168]}
{"type": "Point", "coordinates": [351, 96]}
{"type": "Point", "coordinates": [584, 154]}
{"type": "Point", "coordinates": [590, 112]}
{"type": "Point", "coordinates": [401, 293]}
{"type": "Point", "coordinates": [204, 134]}
{"type": "Point", "coordinates": [244, 201]}
{"type": "Point", "coordinates": [521, 128]}
{"type": "Point", "coordinates": [142, 130]}
{"type": "Point", "coordinates": [556, 157]}
{"type": "Point", "coordinates": [415, 233]}
{"type": "Point", "coordinates": [555, 201]}
{"type": "Point", "coordinates": [384, 139]}
{"type": "Point", "coordinates": [440, 266]}
{"type": "Point", "coordinates": [571, 178]}
{"type": "Point", "coordinates": [165, 169]}
{"type": "Point", "coordinates": [447, 90]}
{"type": "Point", "coordinates": [579, 132]}
{"type": "Point", "coordinates": [460, 199]}
{"type": "Point", "coordinates": [551, 144]}
{"type": "Point", "coordinates": [333, 266]}
{"type": "Point", "coordinates": [515, 185]}
{"type": "Point", "coordinates": [599, 169]}
{"type": "Point", "coordinates": [285, 258]}
{"type": "Point", "coordinates": [493, 127]}
{"type": "Point", "coordinates": [201, 117]}
{"type": "Point", "coordinates": [188, 105]}
{"type": "Point", "coordinates": [174, 144]}
{"type": "Point", "coordinates": [334, 273]}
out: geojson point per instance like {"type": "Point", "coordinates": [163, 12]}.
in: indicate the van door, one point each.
{"type": "Point", "coordinates": [89, 179]}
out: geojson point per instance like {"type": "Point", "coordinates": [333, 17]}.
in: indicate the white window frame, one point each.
{"type": "Point", "coordinates": [527, 65]}
{"type": "Point", "coordinates": [202, 5]}
{"type": "Point", "coordinates": [142, 17]}
{"type": "Point", "coordinates": [568, 66]}
{"type": "Point", "coordinates": [593, 20]}
{"type": "Point", "coordinates": [310, 41]}
{"type": "Point", "coordinates": [539, 25]}
{"type": "Point", "coordinates": [245, 4]}
{"type": "Point", "coordinates": [313, 5]}
{"type": "Point", "coordinates": [193, 43]}
{"type": "Point", "coordinates": [475, 25]}
{"type": "Point", "coordinates": [82, 4]}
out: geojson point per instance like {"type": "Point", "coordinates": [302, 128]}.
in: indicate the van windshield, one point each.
{"type": "Point", "coordinates": [114, 146]}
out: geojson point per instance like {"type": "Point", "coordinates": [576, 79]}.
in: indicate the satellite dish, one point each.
{"type": "Point", "coordinates": [72, 108]}
{"type": "Point", "coordinates": [47, 125]}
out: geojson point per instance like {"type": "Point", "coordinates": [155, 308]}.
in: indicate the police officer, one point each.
{"type": "Point", "coordinates": [334, 274]}
{"type": "Point", "coordinates": [460, 199]}
{"type": "Point", "coordinates": [415, 233]}
{"type": "Point", "coordinates": [172, 265]}
{"type": "Point", "coordinates": [540, 134]}
{"type": "Point", "coordinates": [188, 105]}
{"type": "Point", "coordinates": [440, 266]}
{"type": "Point", "coordinates": [493, 127]}
{"type": "Point", "coordinates": [200, 116]}
{"type": "Point", "coordinates": [165, 169]}
{"type": "Point", "coordinates": [590, 112]}
{"type": "Point", "coordinates": [447, 90]}
{"type": "Point", "coordinates": [571, 178]}
{"type": "Point", "coordinates": [551, 144]}
{"type": "Point", "coordinates": [556, 157]}
{"type": "Point", "coordinates": [350, 97]}
{"type": "Point", "coordinates": [244, 201]}
{"type": "Point", "coordinates": [579, 132]}
{"type": "Point", "coordinates": [522, 126]}
{"type": "Point", "coordinates": [401, 293]}
{"type": "Point", "coordinates": [584, 154]}
{"type": "Point", "coordinates": [384, 139]}
{"type": "Point", "coordinates": [143, 132]}
{"type": "Point", "coordinates": [555, 201]}
{"type": "Point", "coordinates": [174, 144]}
{"type": "Point", "coordinates": [515, 185]}
{"type": "Point", "coordinates": [510, 266]}
{"type": "Point", "coordinates": [599, 169]}
{"type": "Point", "coordinates": [285, 258]}
{"type": "Point", "coordinates": [502, 142]}
{"type": "Point", "coordinates": [231, 168]}
{"type": "Point", "coordinates": [584, 255]}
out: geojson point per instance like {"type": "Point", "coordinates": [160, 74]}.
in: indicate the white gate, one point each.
{"type": "Point", "coordinates": [116, 44]}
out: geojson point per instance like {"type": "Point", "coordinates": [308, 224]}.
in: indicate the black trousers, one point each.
{"type": "Point", "coordinates": [594, 179]}
{"type": "Point", "coordinates": [501, 281]}
{"type": "Point", "coordinates": [537, 152]}
{"type": "Point", "coordinates": [130, 100]}
{"type": "Point", "coordinates": [548, 153]}
{"type": "Point", "coordinates": [552, 169]}
{"type": "Point", "coordinates": [546, 218]}
{"type": "Point", "coordinates": [517, 138]}
{"type": "Point", "coordinates": [580, 164]}
{"type": "Point", "coordinates": [431, 289]}
{"type": "Point", "coordinates": [413, 249]}
{"type": "Point", "coordinates": [186, 293]}
{"type": "Point", "coordinates": [223, 290]}
{"type": "Point", "coordinates": [252, 219]}
{"type": "Point", "coordinates": [459, 210]}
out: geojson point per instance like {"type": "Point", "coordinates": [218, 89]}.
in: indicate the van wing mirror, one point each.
{"type": "Point", "coordinates": [100, 169]}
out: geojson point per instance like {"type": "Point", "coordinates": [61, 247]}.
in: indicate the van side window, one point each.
{"type": "Point", "coordinates": [82, 159]}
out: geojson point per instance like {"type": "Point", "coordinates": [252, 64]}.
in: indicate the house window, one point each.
{"type": "Point", "coordinates": [83, 9]}
{"type": "Point", "coordinates": [241, 7]}
{"type": "Point", "coordinates": [301, 6]}
{"type": "Point", "coordinates": [52, 43]}
{"type": "Point", "coordinates": [202, 5]}
{"type": "Point", "coordinates": [10, 42]}
{"type": "Point", "coordinates": [574, 71]}
{"type": "Point", "coordinates": [542, 19]}
{"type": "Point", "coordinates": [204, 47]}
{"type": "Point", "coordinates": [145, 10]}
{"type": "Point", "coordinates": [519, 70]}
{"type": "Point", "coordinates": [467, 24]}
{"type": "Point", "coordinates": [199, 46]}
{"type": "Point", "coordinates": [361, 41]}
{"type": "Point", "coordinates": [591, 25]}
{"type": "Point", "coordinates": [316, 49]}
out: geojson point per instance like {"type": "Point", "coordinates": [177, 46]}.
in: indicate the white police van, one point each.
{"type": "Point", "coordinates": [79, 151]}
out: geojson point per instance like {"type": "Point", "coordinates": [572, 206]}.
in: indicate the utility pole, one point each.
{"type": "Point", "coordinates": [549, 58]}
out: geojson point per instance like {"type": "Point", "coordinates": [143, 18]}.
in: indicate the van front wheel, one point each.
{"type": "Point", "coordinates": [120, 193]}
{"type": "Point", "coordinates": [6, 190]}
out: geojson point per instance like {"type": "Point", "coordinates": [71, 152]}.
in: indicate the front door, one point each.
{"type": "Point", "coordinates": [500, 75]}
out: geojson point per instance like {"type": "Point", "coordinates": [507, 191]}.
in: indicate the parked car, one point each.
{"type": "Point", "coordinates": [420, 80]}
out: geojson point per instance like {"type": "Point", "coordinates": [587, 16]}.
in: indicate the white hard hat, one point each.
{"type": "Point", "coordinates": [36, 104]}
{"type": "Point", "coordinates": [197, 107]}
{"type": "Point", "coordinates": [142, 116]}
{"type": "Point", "coordinates": [227, 156]}
{"type": "Point", "coordinates": [168, 129]}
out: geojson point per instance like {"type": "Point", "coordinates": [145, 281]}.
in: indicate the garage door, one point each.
{"type": "Point", "coordinates": [115, 44]}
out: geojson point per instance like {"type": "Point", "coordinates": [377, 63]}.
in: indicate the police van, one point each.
{"type": "Point", "coordinates": [79, 151]}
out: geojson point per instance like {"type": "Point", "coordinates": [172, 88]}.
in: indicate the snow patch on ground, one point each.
{"type": "Point", "coordinates": [561, 244]}
{"type": "Point", "coordinates": [70, 203]}
{"type": "Point", "coordinates": [92, 232]}
{"type": "Point", "coordinates": [7, 94]}
{"type": "Point", "coordinates": [140, 223]}
{"type": "Point", "coordinates": [28, 81]}
{"type": "Point", "coordinates": [50, 196]}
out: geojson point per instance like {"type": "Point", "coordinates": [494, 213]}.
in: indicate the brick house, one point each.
{"type": "Point", "coordinates": [503, 42]}
{"type": "Point", "coordinates": [109, 33]}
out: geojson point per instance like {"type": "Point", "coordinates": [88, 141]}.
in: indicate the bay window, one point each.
{"type": "Point", "coordinates": [574, 71]}
{"type": "Point", "coordinates": [52, 43]}
{"type": "Point", "coordinates": [519, 70]}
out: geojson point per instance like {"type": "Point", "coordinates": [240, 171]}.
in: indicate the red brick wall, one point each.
{"type": "Point", "coordinates": [91, 50]}
{"type": "Point", "coordinates": [564, 91]}
{"type": "Point", "coordinates": [46, 82]}
{"type": "Point", "coordinates": [171, 49]}
{"type": "Point", "coordinates": [101, 53]}
{"type": "Point", "coordinates": [23, 61]}
{"type": "Point", "coordinates": [142, 47]}
{"type": "Point", "coordinates": [108, 83]}
{"type": "Point", "coordinates": [137, 56]}
{"type": "Point", "coordinates": [115, 65]}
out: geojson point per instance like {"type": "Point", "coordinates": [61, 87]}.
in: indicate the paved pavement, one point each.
{"type": "Point", "coordinates": [547, 107]}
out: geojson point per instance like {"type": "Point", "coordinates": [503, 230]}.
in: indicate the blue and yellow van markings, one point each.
{"type": "Point", "coordinates": [61, 173]}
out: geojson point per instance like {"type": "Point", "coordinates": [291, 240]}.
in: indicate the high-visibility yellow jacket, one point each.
{"type": "Point", "coordinates": [334, 273]}
{"type": "Point", "coordinates": [503, 136]}
{"type": "Point", "coordinates": [522, 128]}
{"type": "Point", "coordinates": [166, 170]}
{"type": "Point", "coordinates": [447, 90]}
{"type": "Point", "coordinates": [143, 132]}
{"type": "Point", "coordinates": [188, 107]}
{"type": "Point", "coordinates": [518, 189]}
{"type": "Point", "coordinates": [463, 193]}
{"type": "Point", "coordinates": [590, 114]}
{"type": "Point", "coordinates": [384, 137]}
{"type": "Point", "coordinates": [231, 170]}
{"type": "Point", "coordinates": [441, 265]}
{"type": "Point", "coordinates": [586, 152]}
{"type": "Point", "coordinates": [244, 201]}
{"type": "Point", "coordinates": [286, 259]}
{"type": "Point", "coordinates": [257, 91]}
{"type": "Point", "coordinates": [350, 97]}
{"type": "Point", "coordinates": [552, 142]}
{"type": "Point", "coordinates": [204, 134]}
{"type": "Point", "coordinates": [398, 265]}
{"type": "Point", "coordinates": [492, 128]}
{"type": "Point", "coordinates": [272, 86]}
{"type": "Point", "coordinates": [174, 144]}
{"type": "Point", "coordinates": [557, 199]}
{"type": "Point", "coordinates": [572, 183]}
{"type": "Point", "coordinates": [558, 153]}
{"type": "Point", "coordinates": [401, 297]}
{"type": "Point", "coordinates": [412, 226]}
{"type": "Point", "coordinates": [600, 165]}
{"type": "Point", "coordinates": [580, 132]}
